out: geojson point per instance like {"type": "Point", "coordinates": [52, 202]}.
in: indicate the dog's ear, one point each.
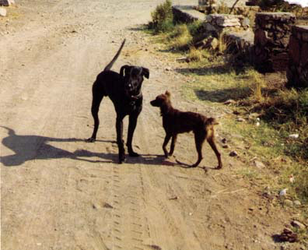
{"type": "Point", "coordinates": [167, 93]}
{"type": "Point", "coordinates": [123, 70]}
{"type": "Point", "coordinates": [146, 72]}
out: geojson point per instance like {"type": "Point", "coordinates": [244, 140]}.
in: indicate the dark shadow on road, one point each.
{"type": "Point", "coordinates": [33, 147]}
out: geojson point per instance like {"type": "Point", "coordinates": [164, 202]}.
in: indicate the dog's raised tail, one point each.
{"type": "Point", "coordinates": [108, 67]}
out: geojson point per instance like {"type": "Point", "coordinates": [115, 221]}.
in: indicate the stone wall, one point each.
{"type": "Point", "coordinates": [186, 14]}
{"type": "Point", "coordinates": [221, 22]}
{"type": "Point", "coordinates": [272, 33]}
{"type": "Point", "coordinates": [297, 72]}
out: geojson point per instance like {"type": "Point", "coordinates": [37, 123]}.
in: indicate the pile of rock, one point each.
{"type": "Point", "coordinates": [219, 22]}
{"type": "Point", "coordinates": [272, 33]}
{"type": "Point", "coordinates": [297, 72]}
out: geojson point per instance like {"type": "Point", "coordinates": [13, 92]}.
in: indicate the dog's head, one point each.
{"type": "Point", "coordinates": [133, 78]}
{"type": "Point", "coordinates": [161, 100]}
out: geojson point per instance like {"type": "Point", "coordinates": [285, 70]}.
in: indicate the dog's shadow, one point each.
{"type": "Point", "coordinates": [32, 147]}
{"type": "Point", "coordinates": [187, 166]}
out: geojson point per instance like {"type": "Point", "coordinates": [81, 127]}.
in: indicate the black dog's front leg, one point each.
{"type": "Point", "coordinates": [131, 128]}
{"type": "Point", "coordinates": [120, 142]}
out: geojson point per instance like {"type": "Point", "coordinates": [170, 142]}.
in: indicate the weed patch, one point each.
{"type": "Point", "coordinates": [162, 18]}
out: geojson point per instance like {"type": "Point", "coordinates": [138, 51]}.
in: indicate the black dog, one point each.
{"type": "Point", "coordinates": [124, 90]}
{"type": "Point", "coordinates": [176, 122]}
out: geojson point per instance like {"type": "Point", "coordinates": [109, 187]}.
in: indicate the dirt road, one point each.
{"type": "Point", "coordinates": [59, 192]}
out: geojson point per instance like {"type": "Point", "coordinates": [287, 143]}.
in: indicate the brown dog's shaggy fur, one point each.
{"type": "Point", "coordinates": [176, 122]}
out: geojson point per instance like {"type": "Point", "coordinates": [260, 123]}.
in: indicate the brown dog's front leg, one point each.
{"type": "Point", "coordinates": [167, 138]}
{"type": "Point", "coordinates": [120, 142]}
{"type": "Point", "coordinates": [172, 144]}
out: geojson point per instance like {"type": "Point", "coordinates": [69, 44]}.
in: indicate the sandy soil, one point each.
{"type": "Point", "coordinates": [58, 192]}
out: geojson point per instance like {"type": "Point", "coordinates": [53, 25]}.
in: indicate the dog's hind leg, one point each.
{"type": "Point", "coordinates": [96, 101]}
{"type": "Point", "coordinates": [211, 141]}
{"type": "Point", "coordinates": [199, 139]}
{"type": "Point", "coordinates": [131, 128]}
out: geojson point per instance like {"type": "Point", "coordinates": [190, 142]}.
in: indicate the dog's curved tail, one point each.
{"type": "Point", "coordinates": [108, 67]}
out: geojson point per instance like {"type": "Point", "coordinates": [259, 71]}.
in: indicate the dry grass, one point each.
{"type": "Point", "coordinates": [195, 54]}
{"type": "Point", "coordinates": [180, 37]}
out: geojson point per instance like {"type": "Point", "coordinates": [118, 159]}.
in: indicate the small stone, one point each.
{"type": "Point", "coordinates": [106, 205]}
{"type": "Point", "coordinates": [294, 136]}
{"type": "Point", "coordinates": [288, 235]}
{"type": "Point", "coordinates": [2, 12]}
{"type": "Point", "coordinates": [230, 101]}
{"type": "Point", "coordinates": [233, 154]}
{"type": "Point", "coordinates": [259, 164]}
{"type": "Point", "coordinates": [297, 203]}
{"type": "Point", "coordinates": [283, 192]}
{"type": "Point", "coordinates": [225, 146]}
{"type": "Point", "coordinates": [245, 23]}
{"type": "Point", "coordinates": [298, 224]}
{"type": "Point", "coordinates": [212, 43]}
{"type": "Point", "coordinates": [287, 231]}
{"type": "Point", "coordinates": [224, 140]}
{"type": "Point", "coordinates": [288, 203]}
{"type": "Point", "coordinates": [240, 119]}
{"type": "Point", "coordinates": [173, 198]}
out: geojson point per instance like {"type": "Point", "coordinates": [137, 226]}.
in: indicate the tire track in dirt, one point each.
{"type": "Point", "coordinates": [129, 222]}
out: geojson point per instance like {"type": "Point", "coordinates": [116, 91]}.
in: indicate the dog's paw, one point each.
{"type": "Point", "coordinates": [167, 156]}
{"type": "Point", "coordinates": [122, 159]}
{"type": "Point", "coordinates": [90, 139]}
{"type": "Point", "coordinates": [219, 167]}
{"type": "Point", "coordinates": [133, 154]}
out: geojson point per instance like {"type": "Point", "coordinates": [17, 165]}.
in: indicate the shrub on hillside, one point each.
{"type": "Point", "coordinates": [162, 17]}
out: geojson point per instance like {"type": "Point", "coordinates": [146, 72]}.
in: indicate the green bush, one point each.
{"type": "Point", "coordinates": [162, 17]}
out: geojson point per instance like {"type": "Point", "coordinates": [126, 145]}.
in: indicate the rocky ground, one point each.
{"type": "Point", "coordinates": [59, 192]}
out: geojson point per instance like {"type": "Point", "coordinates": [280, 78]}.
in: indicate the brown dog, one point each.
{"type": "Point", "coordinates": [176, 122]}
